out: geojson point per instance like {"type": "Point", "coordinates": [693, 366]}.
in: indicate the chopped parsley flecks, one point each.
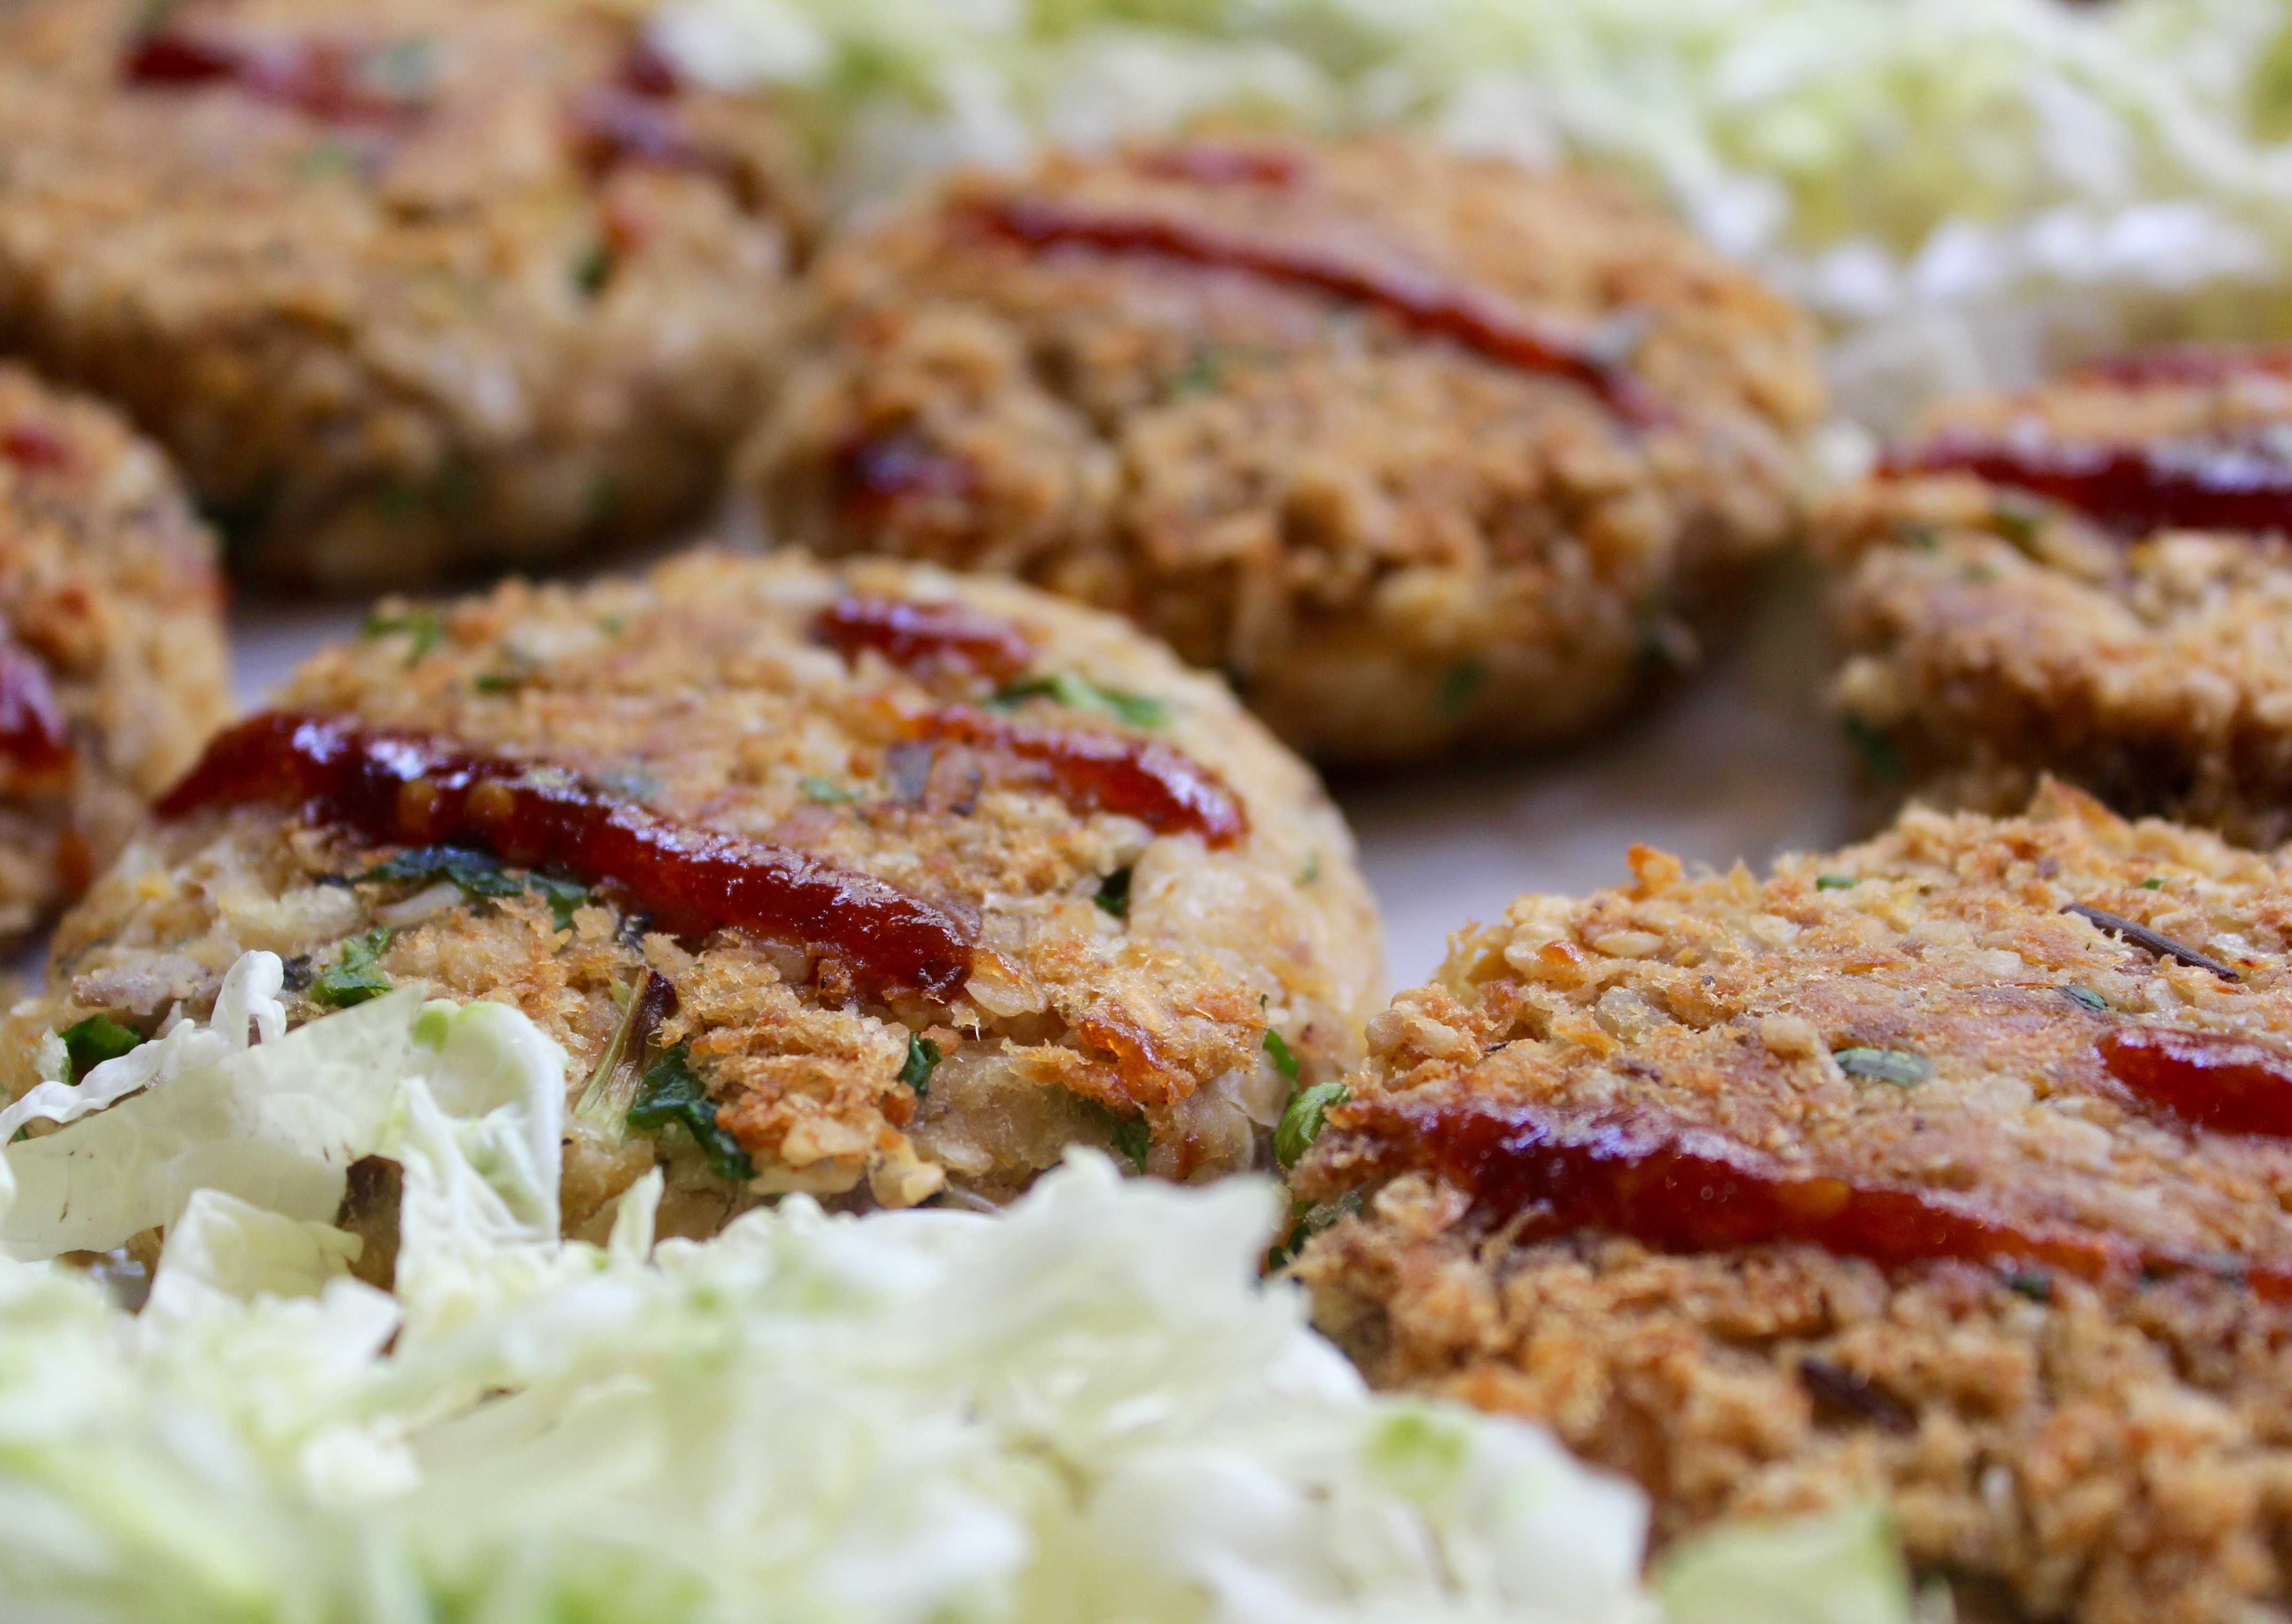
{"type": "Point", "coordinates": [91, 1042]}
{"type": "Point", "coordinates": [2080, 993]}
{"type": "Point", "coordinates": [477, 873]}
{"type": "Point", "coordinates": [1114, 893]}
{"type": "Point", "coordinates": [1836, 882]}
{"type": "Point", "coordinates": [1133, 1136]}
{"type": "Point", "coordinates": [423, 630]}
{"type": "Point", "coordinates": [923, 1059]}
{"type": "Point", "coordinates": [563, 896]}
{"type": "Point", "coordinates": [671, 1092]}
{"type": "Point", "coordinates": [1307, 1220]}
{"type": "Point", "coordinates": [1284, 1062]}
{"type": "Point", "coordinates": [1898, 1067]}
{"type": "Point", "coordinates": [593, 268]}
{"type": "Point", "coordinates": [353, 977]}
{"type": "Point", "coordinates": [1311, 872]}
{"type": "Point", "coordinates": [2035, 1284]}
{"type": "Point", "coordinates": [2017, 525]}
{"type": "Point", "coordinates": [1307, 1114]}
{"type": "Point", "coordinates": [1880, 758]}
{"type": "Point", "coordinates": [824, 791]}
{"type": "Point", "coordinates": [1918, 536]}
{"type": "Point", "coordinates": [1460, 684]}
{"type": "Point", "coordinates": [1080, 693]}
{"type": "Point", "coordinates": [2155, 882]}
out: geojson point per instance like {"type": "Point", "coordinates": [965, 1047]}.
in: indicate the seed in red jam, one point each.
{"type": "Point", "coordinates": [2188, 364]}
{"type": "Point", "coordinates": [35, 444]}
{"type": "Point", "coordinates": [328, 79]}
{"type": "Point", "coordinates": [35, 741]}
{"type": "Point", "coordinates": [1685, 1190]}
{"type": "Point", "coordinates": [926, 638]}
{"type": "Point", "coordinates": [2214, 485]}
{"type": "Point", "coordinates": [2212, 1080]}
{"type": "Point", "coordinates": [1419, 299]}
{"type": "Point", "coordinates": [404, 787]}
{"type": "Point", "coordinates": [1091, 770]}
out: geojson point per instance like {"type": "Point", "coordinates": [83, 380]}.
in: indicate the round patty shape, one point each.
{"type": "Point", "coordinates": [407, 286]}
{"type": "Point", "coordinates": [113, 667]}
{"type": "Point", "coordinates": [1420, 449]}
{"type": "Point", "coordinates": [2092, 579]}
{"type": "Point", "coordinates": [874, 883]}
{"type": "Point", "coordinates": [1950, 1168]}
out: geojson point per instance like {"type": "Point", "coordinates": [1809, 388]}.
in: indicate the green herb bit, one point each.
{"type": "Point", "coordinates": [1898, 1067]}
{"type": "Point", "coordinates": [1308, 1220]}
{"type": "Point", "coordinates": [1458, 686]}
{"type": "Point", "coordinates": [1311, 872]}
{"type": "Point", "coordinates": [324, 159]}
{"type": "Point", "coordinates": [1114, 893]}
{"type": "Point", "coordinates": [2035, 1284]}
{"type": "Point", "coordinates": [672, 1093]}
{"type": "Point", "coordinates": [91, 1042]}
{"type": "Point", "coordinates": [563, 897]}
{"type": "Point", "coordinates": [477, 873]}
{"type": "Point", "coordinates": [499, 681]}
{"type": "Point", "coordinates": [826, 792]}
{"type": "Point", "coordinates": [1284, 1062]}
{"type": "Point", "coordinates": [2078, 992]}
{"type": "Point", "coordinates": [1880, 758]}
{"type": "Point", "coordinates": [420, 625]}
{"type": "Point", "coordinates": [1080, 693]}
{"type": "Point", "coordinates": [2155, 882]}
{"type": "Point", "coordinates": [1918, 536]}
{"type": "Point", "coordinates": [353, 978]}
{"type": "Point", "coordinates": [1301, 1123]}
{"type": "Point", "coordinates": [1836, 882]}
{"type": "Point", "coordinates": [2017, 525]}
{"type": "Point", "coordinates": [923, 1060]}
{"type": "Point", "coordinates": [1203, 371]}
{"type": "Point", "coordinates": [593, 268]}
{"type": "Point", "coordinates": [1134, 1137]}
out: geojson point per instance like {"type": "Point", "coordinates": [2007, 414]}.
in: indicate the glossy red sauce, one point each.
{"type": "Point", "coordinates": [1095, 770]}
{"type": "Point", "coordinates": [2193, 364]}
{"type": "Point", "coordinates": [1224, 165]}
{"type": "Point", "coordinates": [2130, 489]}
{"type": "Point", "coordinates": [398, 786]}
{"type": "Point", "coordinates": [2212, 1080]}
{"type": "Point", "coordinates": [1423, 300]}
{"type": "Point", "coordinates": [324, 78]}
{"type": "Point", "coordinates": [33, 445]}
{"type": "Point", "coordinates": [872, 473]}
{"type": "Point", "coordinates": [35, 739]}
{"type": "Point", "coordinates": [925, 638]}
{"type": "Point", "coordinates": [1687, 1191]}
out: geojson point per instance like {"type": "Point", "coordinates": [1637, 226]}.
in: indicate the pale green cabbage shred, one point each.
{"type": "Point", "coordinates": [1965, 191]}
{"type": "Point", "coordinates": [1087, 1408]}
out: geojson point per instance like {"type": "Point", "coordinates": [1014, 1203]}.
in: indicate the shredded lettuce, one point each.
{"type": "Point", "coordinates": [1089, 1408]}
{"type": "Point", "coordinates": [1964, 190]}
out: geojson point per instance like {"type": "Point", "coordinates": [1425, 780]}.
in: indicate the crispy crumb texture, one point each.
{"type": "Point", "coordinates": [2099, 1431]}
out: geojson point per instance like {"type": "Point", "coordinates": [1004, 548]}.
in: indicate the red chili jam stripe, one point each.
{"type": "Point", "coordinates": [1220, 164]}
{"type": "Point", "coordinates": [408, 787]}
{"type": "Point", "coordinates": [2212, 1080]}
{"type": "Point", "coordinates": [2132, 489]}
{"type": "Point", "coordinates": [1685, 1190]}
{"type": "Point", "coordinates": [871, 474]}
{"type": "Point", "coordinates": [1093, 771]}
{"type": "Point", "coordinates": [34, 737]}
{"type": "Point", "coordinates": [35, 444]}
{"type": "Point", "coordinates": [926, 637]}
{"type": "Point", "coordinates": [324, 78]}
{"type": "Point", "coordinates": [614, 124]}
{"type": "Point", "coordinates": [1422, 300]}
{"type": "Point", "coordinates": [2188, 364]}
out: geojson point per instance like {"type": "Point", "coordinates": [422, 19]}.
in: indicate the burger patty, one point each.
{"type": "Point", "coordinates": [1951, 1170]}
{"type": "Point", "coordinates": [873, 884]}
{"type": "Point", "coordinates": [2091, 579]}
{"type": "Point", "coordinates": [113, 669]}
{"type": "Point", "coordinates": [1423, 450]}
{"type": "Point", "coordinates": [407, 286]}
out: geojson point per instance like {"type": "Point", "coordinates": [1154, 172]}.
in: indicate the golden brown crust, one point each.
{"type": "Point", "coordinates": [702, 689]}
{"type": "Point", "coordinates": [387, 348]}
{"type": "Point", "coordinates": [1991, 637]}
{"type": "Point", "coordinates": [1393, 542]}
{"type": "Point", "coordinates": [2110, 1449]}
{"type": "Point", "coordinates": [109, 582]}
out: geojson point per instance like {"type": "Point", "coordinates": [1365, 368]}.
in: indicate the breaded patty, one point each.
{"type": "Point", "coordinates": [1423, 450]}
{"type": "Point", "coordinates": [871, 884]}
{"type": "Point", "coordinates": [405, 285]}
{"type": "Point", "coordinates": [2092, 579]}
{"type": "Point", "coordinates": [113, 669]}
{"type": "Point", "coordinates": [1893, 1175]}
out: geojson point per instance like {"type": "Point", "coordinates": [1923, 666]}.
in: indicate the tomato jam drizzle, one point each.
{"type": "Point", "coordinates": [1685, 1190]}
{"type": "Point", "coordinates": [33, 445]}
{"type": "Point", "coordinates": [2212, 1080]}
{"type": "Point", "coordinates": [324, 78]}
{"type": "Point", "coordinates": [1093, 771]}
{"type": "Point", "coordinates": [871, 474]}
{"type": "Point", "coordinates": [926, 637]}
{"type": "Point", "coordinates": [2214, 485]}
{"type": "Point", "coordinates": [401, 787]}
{"type": "Point", "coordinates": [2188, 364]}
{"type": "Point", "coordinates": [639, 119]}
{"type": "Point", "coordinates": [1220, 164]}
{"type": "Point", "coordinates": [1419, 299]}
{"type": "Point", "coordinates": [35, 739]}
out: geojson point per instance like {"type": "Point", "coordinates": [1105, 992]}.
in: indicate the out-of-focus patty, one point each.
{"type": "Point", "coordinates": [1893, 1175]}
{"type": "Point", "coordinates": [406, 286]}
{"type": "Point", "coordinates": [1066, 888]}
{"type": "Point", "coordinates": [1423, 450]}
{"type": "Point", "coordinates": [113, 669]}
{"type": "Point", "coordinates": [2092, 579]}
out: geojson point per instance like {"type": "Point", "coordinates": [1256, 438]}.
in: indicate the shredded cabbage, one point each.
{"type": "Point", "coordinates": [1087, 1409]}
{"type": "Point", "coordinates": [1966, 192]}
